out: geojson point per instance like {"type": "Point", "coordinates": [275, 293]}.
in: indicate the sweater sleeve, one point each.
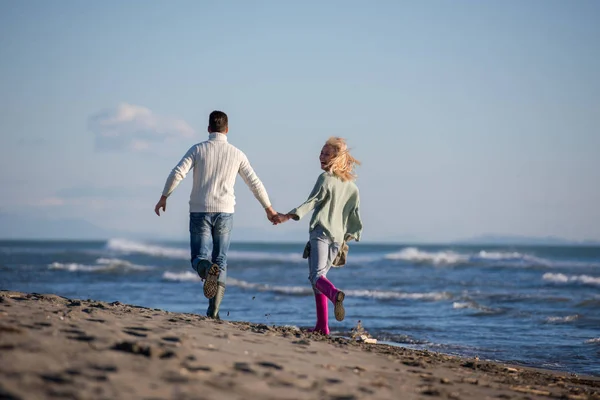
{"type": "Point", "coordinates": [317, 196]}
{"type": "Point", "coordinates": [253, 182]}
{"type": "Point", "coordinates": [354, 226]}
{"type": "Point", "coordinates": [180, 171]}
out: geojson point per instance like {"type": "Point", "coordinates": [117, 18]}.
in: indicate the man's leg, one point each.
{"type": "Point", "coordinates": [222, 227]}
{"type": "Point", "coordinates": [221, 234]}
{"type": "Point", "coordinates": [200, 241]}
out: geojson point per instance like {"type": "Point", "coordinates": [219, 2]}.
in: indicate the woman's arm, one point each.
{"type": "Point", "coordinates": [355, 226]}
{"type": "Point", "coordinates": [316, 197]}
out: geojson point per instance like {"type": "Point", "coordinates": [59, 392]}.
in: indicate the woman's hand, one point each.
{"type": "Point", "coordinates": [280, 218]}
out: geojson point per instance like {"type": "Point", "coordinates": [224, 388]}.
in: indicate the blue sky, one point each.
{"type": "Point", "coordinates": [469, 117]}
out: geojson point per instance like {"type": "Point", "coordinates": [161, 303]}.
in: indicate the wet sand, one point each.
{"type": "Point", "coordinates": [52, 347]}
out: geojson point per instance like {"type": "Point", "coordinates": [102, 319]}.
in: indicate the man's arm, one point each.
{"type": "Point", "coordinates": [177, 175]}
{"type": "Point", "coordinates": [256, 186]}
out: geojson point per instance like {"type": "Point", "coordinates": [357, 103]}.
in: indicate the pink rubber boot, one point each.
{"type": "Point", "coordinates": [336, 296]}
{"type": "Point", "coordinates": [322, 315]}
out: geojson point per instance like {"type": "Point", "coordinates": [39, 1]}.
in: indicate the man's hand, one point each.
{"type": "Point", "coordinates": [281, 218]}
{"type": "Point", "coordinates": [271, 214]}
{"type": "Point", "coordinates": [162, 203]}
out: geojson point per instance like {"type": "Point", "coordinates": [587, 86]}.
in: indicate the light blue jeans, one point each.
{"type": "Point", "coordinates": [323, 251]}
{"type": "Point", "coordinates": [208, 229]}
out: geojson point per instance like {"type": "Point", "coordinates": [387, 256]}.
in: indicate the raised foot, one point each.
{"type": "Point", "coordinates": [211, 282]}
{"type": "Point", "coordinates": [339, 310]}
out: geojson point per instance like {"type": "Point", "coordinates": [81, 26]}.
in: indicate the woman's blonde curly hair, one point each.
{"type": "Point", "coordinates": [342, 163]}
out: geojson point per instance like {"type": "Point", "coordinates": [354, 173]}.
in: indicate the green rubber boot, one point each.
{"type": "Point", "coordinates": [201, 267]}
{"type": "Point", "coordinates": [215, 303]}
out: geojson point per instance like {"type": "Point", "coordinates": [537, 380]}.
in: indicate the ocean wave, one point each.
{"type": "Point", "coordinates": [562, 278]}
{"type": "Point", "coordinates": [562, 320]}
{"type": "Point", "coordinates": [307, 290]}
{"type": "Point", "coordinates": [458, 305]}
{"type": "Point", "coordinates": [439, 257]}
{"type": "Point", "coordinates": [511, 259]}
{"type": "Point", "coordinates": [102, 265]}
{"type": "Point", "coordinates": [453, 258]}
{"type": "Point", "coordinates": [128, 247]}
{"type": "Point", "coordinates": [504, 259]}
{"type": "Point", "coordinates": [304, 290]}
{"type": "Point", "coordinates": [593, 302]}
{"type": "Point", "coordinates": [397, 338]}
{"type": "Point", "coordinates": [593, 341]}
{"type": "Point", "coordinates": [389, 295]}
{"type": "Point", "coordinates": [186, 276]}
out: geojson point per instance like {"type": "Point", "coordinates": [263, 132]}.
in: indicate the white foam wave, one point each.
{"type": "Point", "coordinates": [562, 278]}
{"type": "Point", "coordinates": [416, 255]}
{"type": "Point", "coordinates": [264, 256]}
{"type": "Point", "coordinates": [458, 305]}
{"type": "Point", "coordinates": [594, 340]}
{"type": "Point", "coordinates": [409, 254]}
{"type": "Point", "coordinates": [75, 267]}
{"type": "Point", "coordinates": [181, 276]}
{"type": "Point", "coordinates": [558, 320]}
{"type": "Point", "coordinates": [377, 294]}
{"type": "Point", "coordinates": [307, 290]}
{"type": "Point", "coordinates": [128, 247]}
{"type": "Point", "coordinates": [297, 290]}
{"type": "Point", "coordinates": [102, 265]}
{"type": "Point", "coordinates": [483, 257]}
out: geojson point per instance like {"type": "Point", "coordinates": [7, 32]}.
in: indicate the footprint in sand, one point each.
{"type": "Point", "coordinates": [134, 333]}
{"type": "Point", "coordinates": [96, 320]}
{"type": "Point", "coordinates": [243, 367]}
{"type": "Point", "coordinates": [56, 378]}
{"type": "Point", "coordinates": [172, 339]}
{"type": "Point", "coordinates": [31, 326]}
{"type": "Point", "coordinates": [270, 365]}
{"type": "Point", "coordinates": [197, 368]}
{"type": "Point", "coordinates": [104, 368]}
{"type": "Point", "coordinates": [133, 348]}
{"type": "Point", "coordinates": [138, 328]}
{"type": "Point", "coordinates": [137, 331]}
{"type": "Point", "coordinates": [73, 331]}
{"type": "Point", "coordinates": [82, 338]}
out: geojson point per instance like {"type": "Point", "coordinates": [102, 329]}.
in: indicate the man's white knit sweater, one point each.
{"type": "Point", "coordinates": [216, 164]}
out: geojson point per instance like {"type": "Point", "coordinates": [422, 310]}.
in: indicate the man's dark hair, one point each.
{"type": "Point", "coordinates": [217, 121]}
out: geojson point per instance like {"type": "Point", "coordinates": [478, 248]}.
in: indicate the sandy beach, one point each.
{"type": "Point", "coordinates": [54, 347]}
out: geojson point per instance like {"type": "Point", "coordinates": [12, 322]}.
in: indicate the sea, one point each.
{"type": "Point", "coordinates": [533, 306]}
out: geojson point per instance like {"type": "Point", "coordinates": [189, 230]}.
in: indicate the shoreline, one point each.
{"type": "Point", "coordinates": [55, 347]}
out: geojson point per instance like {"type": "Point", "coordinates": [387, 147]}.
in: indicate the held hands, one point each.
{"type": "Point", "coordinates": [281, 218]}
{"type": "Point", "coordinates": [275, 217]}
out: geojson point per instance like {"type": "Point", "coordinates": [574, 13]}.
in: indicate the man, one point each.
{"type": "Point", "coordinates": [216, 164]}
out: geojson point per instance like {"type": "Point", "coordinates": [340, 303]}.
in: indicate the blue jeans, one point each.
{"type": "Point", "coordinates": [207, 229]}
{"type": "Point", "coordinates": [323, 251]}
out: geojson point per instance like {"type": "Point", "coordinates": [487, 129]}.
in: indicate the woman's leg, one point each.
{"type": "Point", "coordinates": [336, 296]}
{"type": "Point", "coordinates": [322, 325]}
{"type": "Point", "coordinates": [322, 252]}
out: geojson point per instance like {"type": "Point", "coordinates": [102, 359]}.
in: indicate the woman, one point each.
{"type": "Point", "coordinates": [336, 220]}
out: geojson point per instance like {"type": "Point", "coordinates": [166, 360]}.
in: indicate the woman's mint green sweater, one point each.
{"type": "Point", "coordinates": [336, 205]}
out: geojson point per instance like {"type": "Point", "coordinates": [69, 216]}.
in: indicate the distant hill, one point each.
{"type": "Point", "coordinates": [491, 239]}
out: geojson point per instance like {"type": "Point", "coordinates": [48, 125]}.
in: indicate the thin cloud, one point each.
{"type": "Point", "coordinates": [47, 202]}
{"type": "Point", "coordinates": [134, 128]}
{"type": "Point", "coordinates": [105, 192]}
